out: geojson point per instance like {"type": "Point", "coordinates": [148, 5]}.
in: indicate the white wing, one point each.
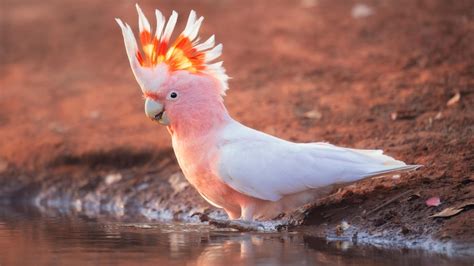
{"type": "Point", "coordinates": [268, 168]}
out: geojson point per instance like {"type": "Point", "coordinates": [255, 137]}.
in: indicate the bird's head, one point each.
{"type": "Point", "coordinates": [178, 80]}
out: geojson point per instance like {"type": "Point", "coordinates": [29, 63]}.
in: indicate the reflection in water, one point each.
{"type": "Point", "coordinates": [65, 240]}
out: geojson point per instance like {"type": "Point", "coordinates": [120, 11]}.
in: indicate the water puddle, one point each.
{"type": "Point", "coordinates": [35, 239]}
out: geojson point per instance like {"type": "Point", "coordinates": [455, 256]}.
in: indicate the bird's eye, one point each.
{"type": "Point", "coordinates": [173, 95]}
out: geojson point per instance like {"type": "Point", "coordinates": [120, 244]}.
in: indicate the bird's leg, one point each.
{"type": "Point", "coordinates": [232, 215]}
{"type": "Point", "coordinates": [247, 212]}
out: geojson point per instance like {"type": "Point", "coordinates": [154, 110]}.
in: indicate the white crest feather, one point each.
{"type": "Point", "coordinates": [143, 24]}
{"type": "Point", "coordinates": [205, 45]}
{"type": "Point", "coordinates": [130, 42]}
{"type": "Point", "coordinates": [170, 27]}
{"type": "Point", "coordinates": [160, 23]}
{"type": "Point", "coordinates": [214, 53]}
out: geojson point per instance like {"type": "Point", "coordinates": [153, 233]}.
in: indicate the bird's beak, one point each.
{"type": "Point", "coordinates": [156, 111]}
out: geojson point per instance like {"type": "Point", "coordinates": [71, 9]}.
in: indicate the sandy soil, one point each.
{"type": "Point", "coordinates": [73, 129]}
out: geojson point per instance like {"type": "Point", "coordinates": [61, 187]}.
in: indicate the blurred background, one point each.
{"type": "Point", "coordinates": [303, 70]}
{"type": "Point", "coordinates": [74, 140]}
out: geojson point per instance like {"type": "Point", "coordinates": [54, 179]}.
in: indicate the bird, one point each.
{"type": "Point", "coordinates": [252, 175]}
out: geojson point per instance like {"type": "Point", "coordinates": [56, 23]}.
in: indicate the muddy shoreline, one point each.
{"type": "Point", "coordinates": [373, 212]}
{"type": "Point", "coordinates": [398, 78]}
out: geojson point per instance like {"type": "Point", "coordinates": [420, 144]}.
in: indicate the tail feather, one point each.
{"type": "Point", "coordinates": [395, 170]}
{"type": "Point", "coordinates": [393, 166]}
{"type": "Point", "coordinates": [381, 173]}
{"type": "Point", "coordinates": [378, 156]}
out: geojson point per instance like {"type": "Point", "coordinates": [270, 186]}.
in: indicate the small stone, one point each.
{"type": "Point", "coordinates": [342, 227]}
{"type": "Point", "coordinates": [178, 182]}
{"type": "Point", "coordinates": [433, 202]}
{"type": "Point", "coordinates": [455, 99]}
{"type": "Point", "coordinates": [313, 114]}
{"type": "Point", "coordinates": [345, 225]}
{"type": "Point", "coordinates": [393, 116]}
{"type": "Point", "coordinates": [361, 11]}
{"type": "Point", "coordinates": [112, 178]}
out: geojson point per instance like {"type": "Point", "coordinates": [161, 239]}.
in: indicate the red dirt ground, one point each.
{"type": "Point", "coordinates": [301, 70]}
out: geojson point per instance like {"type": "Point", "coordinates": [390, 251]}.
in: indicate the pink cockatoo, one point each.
{"type": "Point", "coordinates": [250, 174]}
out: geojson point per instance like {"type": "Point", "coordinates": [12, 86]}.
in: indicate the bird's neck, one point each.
{"type": "Point", "coordinates": [200, 123]}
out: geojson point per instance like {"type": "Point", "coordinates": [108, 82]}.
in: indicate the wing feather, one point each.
{"type": "Point", "coordinates": [268, 168]}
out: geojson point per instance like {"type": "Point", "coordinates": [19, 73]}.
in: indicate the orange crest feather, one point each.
{"type": "Point", "coordinates": [186, 53]}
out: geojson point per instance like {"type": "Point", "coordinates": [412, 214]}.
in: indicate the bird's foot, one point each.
{"type": "Point", "coordinates": [243, 226]}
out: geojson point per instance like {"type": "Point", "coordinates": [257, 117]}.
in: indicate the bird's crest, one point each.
{"type": "Point", "coordinates": [185, 53]}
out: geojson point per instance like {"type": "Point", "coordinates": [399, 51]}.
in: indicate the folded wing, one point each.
{"type": "Point", "coordinates": [268, 168]}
